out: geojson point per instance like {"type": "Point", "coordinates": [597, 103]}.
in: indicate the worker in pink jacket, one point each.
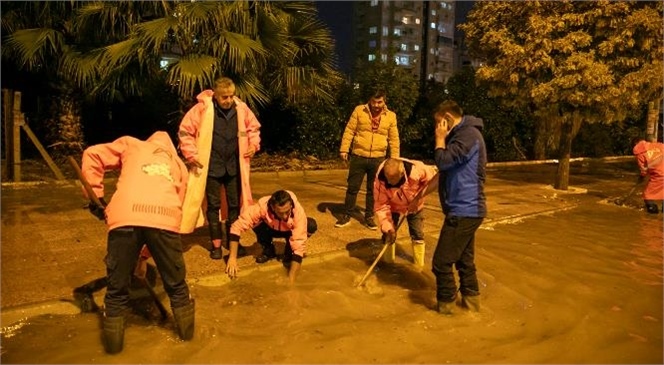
{"type": "Point", "coordinates": [146, 208]}
{"type": "Point", "coordinates": [399, 189]}
{"type": "Point", "coordinates": [218, 138]}
{"type": "Point", "coordinates": [277, 216]}
{"type": "Point", "coordinates": [650, 158]}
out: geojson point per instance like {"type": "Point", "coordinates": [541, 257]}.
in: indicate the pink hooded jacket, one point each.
{"type": "Point", "coordinates": [152, 182]}
{"type": "Point", "coordinates": [650, 157]}
{"type": "Point", "coordinates": [260, 212]}
{"type": "Point", "coordinates": [248, 135]}
{"type": "Point", "coordinates": [408, 198]}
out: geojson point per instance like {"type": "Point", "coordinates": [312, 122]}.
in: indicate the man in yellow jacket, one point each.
{"type": "Point", "coordinates": [372, 128]}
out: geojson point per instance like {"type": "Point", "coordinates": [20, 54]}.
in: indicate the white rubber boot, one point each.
{"type": "Point", "coordinates": [418, 253]}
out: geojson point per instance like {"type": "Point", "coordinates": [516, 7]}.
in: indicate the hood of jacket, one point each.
{"type": "Point", "coordinates": [471, 121]}
{"type": "Point", "coordinates": [162, 139]}
{"type": "Point", "coordinates": [640, 147]}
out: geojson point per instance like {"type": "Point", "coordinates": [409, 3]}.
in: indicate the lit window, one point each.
{"type": "Point", "coordinates": [383, 57]}
{"type": "Point", "coordinates": [404, 20]}
{"type": "Point", "coordinates": [443, 5]}
{"type": "Point", "coordinates": [433, 25]}
{"type": "Point", "coordinates": [404, 47]}
{"type": "Point", "coordinates": [396, 60]}
{"type": "Point", "coordinates": [416, 47]}
{"type": "Point", "coordinates": [372, 44]}
{"type": "Point", "coordinates": [403, 60]}
{"type": "Point", "coordinates": [373, 30]}
{"type": "Point", "coordinates": [417, 20]}
{"type": "Point", "coordinates": [433, 12]}
{"type": "Point", "coordinates": [432, 51]}
{"type": "Point", "coordinates": [163, 64]}
{"type": "Point", "coordinates": [397, 31]}
{"type": "Point", "coordinates": [386, 31]}
{"type": "Point", "coordinates": [374, 2]}
{"type": "Point", "coordinates": [372, 57]}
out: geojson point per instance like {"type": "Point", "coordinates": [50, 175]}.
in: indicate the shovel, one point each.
{"type": "Point", "coordinates": [382, 252]}
{"type": "Point", "coordinates": [95, 200]}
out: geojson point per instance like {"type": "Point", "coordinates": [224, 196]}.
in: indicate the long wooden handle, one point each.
{"type": "Point", "coordinates": [84, 182]}
{"type": "Point", "coordinates": [382, 252]}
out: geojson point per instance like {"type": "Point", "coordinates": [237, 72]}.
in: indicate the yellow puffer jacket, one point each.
{"type": "Point", "coordinates": [365, 141]}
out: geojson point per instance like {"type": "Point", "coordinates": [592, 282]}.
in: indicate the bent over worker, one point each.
{"type": "Point", "coordinates": [650, 158]}
{"type": "Point", "coordinates": [399, 189]}
{"type": "Point", "coordinates": [146, 208]}
{"type": "Point", "coordinates": [277, 216]}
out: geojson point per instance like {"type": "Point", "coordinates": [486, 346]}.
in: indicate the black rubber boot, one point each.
{"type": "Point", "coordinates": [215, 237]}
{"type": "Point", "coordinates": [267, 255]}
{"type": "Point", "coordinates": [184, 320]}
{"type": "Point", "coordinates": [471, 302]}
{"type": "Point", "coordinates": [113, 334]}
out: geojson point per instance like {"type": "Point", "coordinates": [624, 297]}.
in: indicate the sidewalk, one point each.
{"type": "Point", "coordinates": [51, 244]}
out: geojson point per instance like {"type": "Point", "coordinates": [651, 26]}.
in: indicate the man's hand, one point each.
{"type": "Point", "coordinates": [98, 211]}
{"type": "Point", "coordinates": [344, 156]}
{"type": "Point", "coordinates": [390, 237]}
{"type": "Point", "coordinates": [250, 152]}
{"type": "Point", "coordinates": [641, 179]}
{"type": "Point", "coordinates": [441, 133]}
{"type": "Point", "coordinates": [231, 265]}
{"type": "Point", "coordinates": [193, 165]}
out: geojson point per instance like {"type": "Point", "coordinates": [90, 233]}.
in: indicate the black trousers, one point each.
{"type": "Point", "coordinates": [265, 235]}
{"type": "Point", "coordinates": [212, 188]}
{"type": "Point", "coordinates": [456, 247]}
{"type": "Point", "coordinates": [360, 166]}
{"type": "Point", "coordinates": [123, 246]}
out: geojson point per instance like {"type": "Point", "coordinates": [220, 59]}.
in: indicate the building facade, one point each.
{"type": "Point", "coordinates": [416, 35]}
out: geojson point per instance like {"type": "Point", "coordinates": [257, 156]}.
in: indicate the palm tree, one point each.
{"type": "Point", "coordinates": [36, 38]}
{"type": "Point", "coordinates": [111, 50]}
{"type": "Point", "coordinates": [270, 49]}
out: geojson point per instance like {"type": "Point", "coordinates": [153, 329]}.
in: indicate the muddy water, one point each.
{"type": "Point", "coordinates": [580, 286]}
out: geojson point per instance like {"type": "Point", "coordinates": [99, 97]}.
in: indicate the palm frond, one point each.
{"type": "Point", "coordinates": [32, 47]}
{"type": "Point", "coordinates": [192, 73]}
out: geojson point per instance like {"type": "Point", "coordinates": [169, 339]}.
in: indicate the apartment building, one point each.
{"type": "Point", "coordinates": [417, 35]}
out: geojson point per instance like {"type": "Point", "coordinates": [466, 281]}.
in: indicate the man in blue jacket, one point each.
{"type": "Point", "coordinates": [461, 158]}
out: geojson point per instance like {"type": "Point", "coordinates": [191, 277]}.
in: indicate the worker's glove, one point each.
{"type": "Point", "coordinates": [98, 211]}
{"type": "Point", "coordinates": [193, 164]}
{"type": "Point", "coordinates": [389, 237]}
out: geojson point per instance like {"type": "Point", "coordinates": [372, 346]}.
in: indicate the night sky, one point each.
{"type": "Point", "coordinates": [338, 16]}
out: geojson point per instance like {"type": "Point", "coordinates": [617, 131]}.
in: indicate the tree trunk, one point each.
{"type": "Point", "coordinates": [541, 140]}
{"type": "Point", "coordinates": [651, 122]}
{"type": "Point", "coordinates": [565, 150]}
{"type": "Point", "coordinates": [65, 134]}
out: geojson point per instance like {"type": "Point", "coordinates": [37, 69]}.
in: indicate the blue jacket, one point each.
{"type": "Point", "coordinates": [463, 170]}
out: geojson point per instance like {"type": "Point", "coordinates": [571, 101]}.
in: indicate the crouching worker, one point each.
{"type": "Point", "coordinates": [650, 158]}
{"type": "Point", "coordinates": [399, 189]}
{"type": "Point", "coordinates": [276, 216]}
{"type": "Point", "coordinates": [146, 208]}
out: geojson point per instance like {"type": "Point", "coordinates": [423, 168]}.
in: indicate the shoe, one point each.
{"type": "Point", "coordinates": [369, 222]}
{"type": "Point", "coordinates": [343, 221]}
{"type": "Point", "coordinates": [215, 254]}
{"type": "Point", "coordinates": [267, 255]}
